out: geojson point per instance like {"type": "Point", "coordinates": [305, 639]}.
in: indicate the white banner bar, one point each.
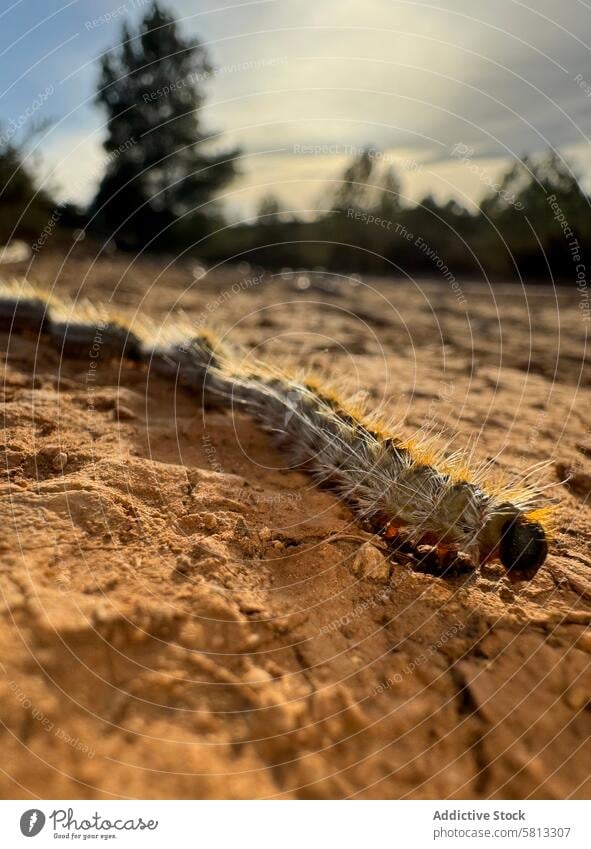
{"type": "Point", "coordinates": [293, 825]}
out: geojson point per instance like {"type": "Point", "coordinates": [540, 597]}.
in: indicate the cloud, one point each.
{"type": "Point", "coordinates": [401, 75]}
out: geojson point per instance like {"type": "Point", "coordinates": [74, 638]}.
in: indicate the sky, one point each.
{"type": "Point", "coordinates": [300, 85]}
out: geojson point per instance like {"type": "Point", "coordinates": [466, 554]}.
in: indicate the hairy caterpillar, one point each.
{"type": "Point", "coordinates": [410, 493]}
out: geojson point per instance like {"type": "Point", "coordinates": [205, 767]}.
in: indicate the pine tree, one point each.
{"type": "Point", "coordinates": [24, 209]}
{"type": "Point", "coordinates": [151, 87]}
{"type": "Point", "coordinates": [354, 191]}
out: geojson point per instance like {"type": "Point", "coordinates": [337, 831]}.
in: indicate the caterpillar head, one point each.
{"type": "Point", "coordinates": [520, 543]}
{"type": "Point", "coordinates": [523, 548]}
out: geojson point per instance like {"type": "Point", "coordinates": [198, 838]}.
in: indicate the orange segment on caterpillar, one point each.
{"type": "Point", "coordinates": [408, 491]}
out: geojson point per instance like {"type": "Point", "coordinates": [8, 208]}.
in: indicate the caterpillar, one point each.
{"type": "Point", "coordinates": [408, 492]}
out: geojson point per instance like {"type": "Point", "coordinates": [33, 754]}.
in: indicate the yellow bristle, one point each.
{"type": "Point", "coordinates": [546, 517]}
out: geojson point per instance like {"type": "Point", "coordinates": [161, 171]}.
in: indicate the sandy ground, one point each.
{"type": "Point", "coordinates": [184, 616]}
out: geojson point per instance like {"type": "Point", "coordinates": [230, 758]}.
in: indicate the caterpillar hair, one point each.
{"type": "Point", "coordinates": [409, 492]}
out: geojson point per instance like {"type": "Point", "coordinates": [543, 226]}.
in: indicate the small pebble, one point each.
{"type": "Point", "coordinates": [252, 641]}
{"type": "Point", "coordinates": [184, 564]}
{"type": "Point", "coordinates": [576, 697]}
{"type": "Point", "coordinates": [257, 675]}
{"type": "Point", "coordinates": [371, 563]}
{"type": "Point", "coordinates": [60, 461]}
{"type": "Point", "coordinates": [209, 521]}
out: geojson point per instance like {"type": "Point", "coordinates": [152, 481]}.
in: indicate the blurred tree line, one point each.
{"type": "Point", "coordinates": [164, 173]}
{"type": "Point", "coordinates": [534, 224]}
